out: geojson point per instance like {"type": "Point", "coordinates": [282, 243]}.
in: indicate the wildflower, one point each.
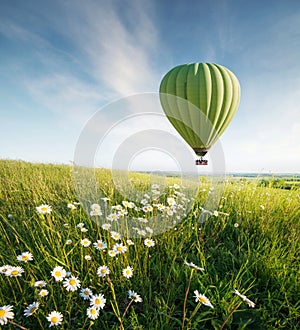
{"type": "Point", "coordinates": [100, 245]}
{"type": "Point", "coordinates": [84, 230]}
{"type": "Point", "coordinates": [95, 212]}
{"type": "Point", "coordinates": [117, 207]}
{"type": "Point", "coordinates": [125, 203]}
{"type": "Point", "coordinates": [149, 230]}
{"type": "Point", "coordinates": [147, 208]}
{"type": "Point", "coordinates": [236, 225]}
{"type": "Point", "coordinates": [122, 213]}
{"type": "Point", "coordinates": [102, 271]}
{"type": "Point", "coordinates": [43, 293]}
{"type": "Point", "coordinates": [106, 226]}
{"type": "Point", "coordinates": [112, 253]}
{"type": "Point", "coordinates": [40, 284]}
{"type": "Point", "coordinates": [92, 313]}
{"type": "Point", "coordinates": [58, 273]}
{"type": "Point", "coordinates": [171, 201]}
{"type": "Point", "coordinates": [86, 293]}
{"type": "Point", "coordinates": [5, 269]}
{"type": "Point", "coordinates": [69, 241]}
{"type": "Point", "coordinates": [143, 220]}
{"type": "Point", "coordinates": [10, 216]}
{"type": "Point", "coordinates": [130, 242]}
{"type": "Point", "coordinates": [127, 272]}
{"type": "Point", "coordinates": [6, 313]}
{"type": "Point", "coordinates": [160, 207]}
{"type": "Point", "coordinates": [15, 271]}
{"type": "Point", "coordinates": [31, 309]}
{"type": "Point", "coordinates": [55, 318]}
{"type": "Point", "coordinates": [192, 265]}
{"type": "Point", "coordinates": [95, 207]}
{"type": "Point", "coordinates": [245, 299]}
{"type": "Point", "coordinates": [120, 248]}
{"type": "Point", "coordinates": [131, 205]}
{"type": "Point", "coordinates": [141, 232]}
{"type": "Point", "coordinates": [149, 242]}
{"type": "Point", "coordinates": [113, 217]}
{"type": "Point", "coordinates": [98, 301]}
{"type": "Point", "coordinates": [87, 257]}
{"type": "Point", "coordinates": [71, 206]}
{"type": "Point", "coordinates": [134, 296]}
{"type": "Point", "coordinates": [203, 299]}
{"type": "Point", "coordinates": [144, 201]}
{"type": "Point", "coordinates": [25, 256]}
{"type": "Point", "coordinates": [85, 242]}
{"type": "Point", "coordinates": [216, 213]}
{"type": "Point", "coordinates": [105, 199]}
{"type": "Point", "coordinates": [44, 209]}
{"type": "Point", "coordinates": [71, 284]}
{"type": "Point", "coordinates": [116, 236]}
{"type": "Point", "coordinates": [80, 225]}
{"type": "Point", "coordinates": [262, 207]}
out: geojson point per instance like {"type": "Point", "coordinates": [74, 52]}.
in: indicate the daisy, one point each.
{"type": "Point", "coordinates": [92, 313]}
{"type": "Point", "coordinates": [117, 207]}
{"type": "Point", "coordinates": [216, 213]}
{"type": "Point", "coordinates": [203, 299]}
{"type": "Point", "coordinates": [40, 284]}
{"type": "Point", "coordinates": [245, 299]}
{"type": "Point", "coordinates": [95, 213]}
{"type": "Point", "coordinates": [106, 226]}
{"type": "Point", "coordinates": [144, 201]}
{"type": "Point", "coordinates": [131, 205]}
{"type": "Point", "coordinates": [25, 256]}
{"type": "Point", "coordinates": [32, 308]}
{"type": "Point", "coordinates": [116, 236]}
{"type": "Point", "coordinates": [69, 241]}
{"type": "Point", "coordinates": [95, 207]}
{"type": "Point", "coordinates": [71, 283]}
{"type": "Point", "coordinates": [6, 313]}
{"type": "Point", "coordinates": [236, 225]}
{"type": "Point", "coordinates": [113, 217]}
{"type": "Point", "coordinates": [98, 301]}
{"type": "Point", "coordinates": [43, 209]}
{"type": "Point", "coordinates": [80, 225]}
{"type": "Point", "coordinates": [171, 201]}
{"type": "Point", "coordinates": [84, 230]}
{"type": "Point", "coordinates": [192, 265]}
{"type": "Point", "coordinates": [71, 206]}
{"type": "Point", "coordinates": [143, 220]}
{"type": "Point", "coordinates": [87, 257]}
{"type": "Point", "coordinates": [43, 293]}
{"type": "Point", "coordinates": [125, 203]}
{"type": "Point", "coordinates": [112, 253]}
{"type": "Point", "coordinates": [85, 242]}
{"type": "Point", "coordinates": [160, 207]}
{"type": "Point", "coordinates": [86, 293]}
{"type": "Point", "coordinates": [134, 296]}
{"type": "Point", "coordinates": [5, 269]}
{"type": "Point", "coordinates": [120, 248]}
{"type": "Point", "coordinates": [130, 242]}
{"type": "Point", "coordinates": [102, 271]}
{"type": "Point", "coordinates": [122, 213]}
{"type": "Point", "coordinates": [55, 318]}
{"type": "Point", "coordinates": [149, 230]}
{"type": "Point", "coordinates": [147, 208]}
{"type": "Point", "coordinates": [15, 271]}
{"type": "Point", "coordinates": [149, 242]}
{"type": "Point", "coordinates": [59, 273]}
{"type": "Point", "coordinates": [127, 272]}
{"type": "Point", "coordinates": [100, 245]}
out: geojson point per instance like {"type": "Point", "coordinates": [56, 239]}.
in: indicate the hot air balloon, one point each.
{"type": "Point", "coordinates": [200, 100]}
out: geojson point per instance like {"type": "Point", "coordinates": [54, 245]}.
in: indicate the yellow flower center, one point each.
{"type": "Point", "coordinates": [86, 292]}
{"type": "Point", "coordinates": [54, 319]}
{"type": "Point", "coordinates": [97, 301]}
{"type": "Point", "coordinates": [2, 312]}
{"type": "Point", "coordinates": [24, 257]}
{"type": "Point", "coordinates": [93, 311]}
{"type": "Point", "coordinates": [128, 272]}
{"type": "Point", "coordinates": [202, 299]}
{"type": "Point", "coordinates": [103, 271]}
{"type": "Point", "coordinates": [33, 309]}
{"type": "Point", "coordinates": [57, 273]}
{"type": "Point", "coordinates": [72, 282]}
{"type": "Point", "coordinates": [120, 248]}
{"type": "Point", "coordinates": [100, 244]}
{"type": "Point", "coordinates": [15, 272]}
{"type": "Point", "coordinates": [44, 208]}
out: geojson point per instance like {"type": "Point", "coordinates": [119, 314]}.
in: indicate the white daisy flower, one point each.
{"type": "Point", "coordinates": [59, 273]}
{"type": "Point", "coordinates": [113, 217]}
{"type": "Point", "coordinates": [116, 236]}
{"type": "Point", "coordinates": [68, 241]}
{"type": "Point", "coordinates": [149, 242]}
{"type": "Point", "coordinates": [71, 283]}
{"type": "Point", "coordinates": [141, 232]}
{"type": "Point", "coordinates": [25, 256]}
{"type": "Point", "coordinates": [134, 296]}
{"type": "Point", "coordinates": [160, 207]}
{"type": "Point", "coordinates": [216, 213]}
{"type": "Point", "coordinates": [117, 207]}
{"type": "Point", "coordinates": [245, 299]}
{"type": "Point", "coordinates": [119, 248]}
{"type": "Point", "coordinates": [147, 208]}
{"type": "Point", "coordinates": [192, 265]}
{"type": "Point", "coordinates": [71, 206]}
{"type": "Point", "coordinates": [15, 271]}
{"type": "Point", "coordinates": [149, 230]}
{"type": "Point", "coordinates": [131, 205]}
{"type": "Point", "coordinates": [40, 284]}
{"type": "Point", "coordinates": [85, 242]}
{"type": "Point", "coordinates": [203, 299]}
{"type": "Point", "coordinates": [86, 293]}
{"type": "Point", "coordinates": [98, 301]}
{"type": "Point", "coordinates": [84, 230]}
{"type": "Point", "coordinates": [144, 201]}
{"type": "Point", "coordinates": [5, 314]}
{"type": "Point", "coordinates": [106, 226]}
{"type": "Point", "coordinates": [44, 209]}
{"type": "Point", "coordinates": [5, 269]}
{"type": "Point", "coordinates": [130, 242]}
{"type": "Point", "coordinates": [127, 272]}
{"type": "Point", "coordinates": [95, 213]}
{"type": "Point", "coordinates": [87, 257]}
{"type": "Point", "coordinates": [112, 253]}
{"type": "Point", "coordinates": [55, 318]}
{"type": "Point", "coordinates": [102, 271]}
{"type": "Point", "coordinates": [80, 225]}
{"type": "Point", "coordinates": [236, 225]}
{"type": "Point", "coordinates": [122, 213]}
{"type": "Point", "coordinates": [171, 201]}
{"type": "Point", "coordinates": [31, 309]}
{"type": "Point", "coordinates": [143, 220]}
{"type": "Point", "coordinates": [125, 203]}
{"type": "Point", "coordinates": [100, 245]}
{"type": "Point", "coordinates": [92, 313]}
{"type": "Point", "coordinates": [43, 293]}
{"type": "Point", "coordinates": [95, 207]}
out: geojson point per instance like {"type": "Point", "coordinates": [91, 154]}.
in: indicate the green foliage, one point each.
{"type": "Point", "coordinates": [251, 244]}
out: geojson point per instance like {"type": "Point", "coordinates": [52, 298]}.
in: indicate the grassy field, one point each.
{"type": "Point", "coordinates": [250, 243]}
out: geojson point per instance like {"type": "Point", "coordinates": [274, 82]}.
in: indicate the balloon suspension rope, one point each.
{"type": "Point", "coordinates": [201, 161]}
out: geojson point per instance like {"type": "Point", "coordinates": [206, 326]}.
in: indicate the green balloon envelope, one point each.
{"type": "Point", "coordinates": [200, 100]}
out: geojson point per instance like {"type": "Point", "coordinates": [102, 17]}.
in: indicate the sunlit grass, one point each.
{"type": "Point", "coordinates": [250, 243]}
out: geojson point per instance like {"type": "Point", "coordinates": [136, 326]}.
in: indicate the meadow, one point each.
{"type": "Point", "coordinates": [62, 267]}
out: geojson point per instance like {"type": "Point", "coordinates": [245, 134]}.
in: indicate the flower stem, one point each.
{"type": "Point", "coordinates": [229, 315]}
{"type": "Point", "coordinates": [185, 298]}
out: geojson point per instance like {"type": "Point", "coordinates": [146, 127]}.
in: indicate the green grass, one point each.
{"type": "Point", "coordinates": [252, 245]}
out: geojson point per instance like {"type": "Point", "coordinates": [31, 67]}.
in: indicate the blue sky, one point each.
{"type": "Point", "coordinates": [62, 61]}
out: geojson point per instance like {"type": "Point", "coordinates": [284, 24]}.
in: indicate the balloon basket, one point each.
{"type": "Point", "coordinates": [201, 162]}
